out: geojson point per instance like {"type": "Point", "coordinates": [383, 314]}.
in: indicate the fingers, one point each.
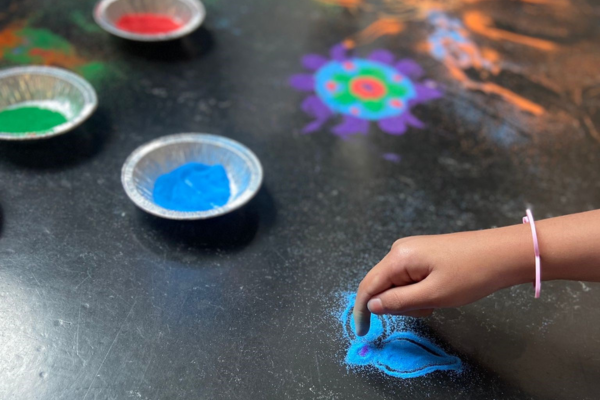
{"type": "Point", "coordinates": [390, 272]}
{"type": "Point", "coordinates": [376, 281]}
{"type": "Point", "coordinates": [418, 298]}
{"type": "Point", "coordinates": [362, 319]}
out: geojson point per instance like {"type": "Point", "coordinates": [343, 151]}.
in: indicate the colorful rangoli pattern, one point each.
{"type": "Point", "coordinates": [362, 90]}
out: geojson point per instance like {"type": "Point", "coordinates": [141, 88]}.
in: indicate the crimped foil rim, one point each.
{"type": "Point", "coordinates": [198, 15]}
{"type": "Point", "coordinates": [236, 147]}
{"type": "Point", "coordinates": [83, 86]}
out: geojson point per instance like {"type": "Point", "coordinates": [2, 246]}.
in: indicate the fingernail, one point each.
{"type": "Point", "coordinates": [375, 306]}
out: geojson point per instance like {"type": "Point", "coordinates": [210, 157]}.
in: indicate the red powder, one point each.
{"type": "Point", "coordinates": [147, 23]}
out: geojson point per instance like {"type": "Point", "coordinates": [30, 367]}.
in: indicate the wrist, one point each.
{"type": "Point", "coordinates": [512, 254]}
{"type": "Point", "coordinates": [568, 250]}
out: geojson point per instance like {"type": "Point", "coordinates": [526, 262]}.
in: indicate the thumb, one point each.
{"type": "Point", "coordinates": [402, 299]}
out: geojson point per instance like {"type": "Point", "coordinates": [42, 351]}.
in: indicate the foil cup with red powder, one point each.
{"type": "Point", "coordinates": [149, 20]}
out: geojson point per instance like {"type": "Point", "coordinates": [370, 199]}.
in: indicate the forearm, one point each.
{"type": "Point", "coordinates": [422, 273]}
{"type": "Point", "coordinates": [569, 248]}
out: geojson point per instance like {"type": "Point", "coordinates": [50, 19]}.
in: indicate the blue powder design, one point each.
{"type": "Point", "coordinates": [398, 354]}
{"type": "Point", "coordinates": [450, 42]}
{"type": "Point", "coordinates": [192, 187]}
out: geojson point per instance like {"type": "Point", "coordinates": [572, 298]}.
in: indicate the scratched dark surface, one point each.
{"type": "Point", "coordinates": [99, 300]}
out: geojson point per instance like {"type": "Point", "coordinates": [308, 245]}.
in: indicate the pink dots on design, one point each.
{"type": "Point", "coordinates": [397, 103]}
{"type": "Point", "coordinates": [331, 86]}
{"type": "Point", "coordinates": [354, 110]}
{"type": "Point", "coordinates": [349, 66]}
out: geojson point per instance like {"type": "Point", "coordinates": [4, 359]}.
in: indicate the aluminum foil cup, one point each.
{"type": "Point", "coordinates": [190, 13]}
{"type": "Point", "coordinates": [163, 155]}
{"type": "Point", "coordinates": [46, 87]}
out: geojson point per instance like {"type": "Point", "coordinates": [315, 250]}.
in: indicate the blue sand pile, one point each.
{"type": "Point", "coordinates": [192, 187]}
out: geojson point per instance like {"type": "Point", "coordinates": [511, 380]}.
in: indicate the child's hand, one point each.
{"type": "Point", "coordinates": [423, 273]}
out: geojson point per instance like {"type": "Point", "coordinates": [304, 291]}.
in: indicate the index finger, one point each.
{"type": "Point", "coordinates": [376, 281]}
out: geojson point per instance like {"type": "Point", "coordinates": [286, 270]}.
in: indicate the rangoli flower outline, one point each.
{"type": "Point", "coordinates": [377, 88]}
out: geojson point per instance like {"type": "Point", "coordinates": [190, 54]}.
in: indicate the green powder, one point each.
{"type": "Point", "coordinates": [29, 119]}
{"type": "Point", "coordinates": [92, 70]}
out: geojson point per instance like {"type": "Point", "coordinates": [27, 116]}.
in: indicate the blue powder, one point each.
{"type": "Point", "coordinates": [398, 354]}
{"type": "Point", "coordinates": [192, 187]}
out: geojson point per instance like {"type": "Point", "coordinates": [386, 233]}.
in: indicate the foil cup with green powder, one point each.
{"type": "Point", "coordinates": [41, 102]}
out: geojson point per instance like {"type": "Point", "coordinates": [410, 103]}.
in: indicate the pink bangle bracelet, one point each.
{"type": "Point", "coordinates": [536, 248]}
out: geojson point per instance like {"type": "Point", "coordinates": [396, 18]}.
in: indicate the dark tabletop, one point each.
{"type": "Point", "coordinates": [99, 300]}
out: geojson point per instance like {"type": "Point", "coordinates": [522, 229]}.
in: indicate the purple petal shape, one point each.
{"type": "Point", "coordinates": [395, 125]}
{"type": "Point", "coordinates": [313, 61]}
{"type": "Point", "coordinates": [351, 125]}
{"type": "Point", "coordinates": [315, 107]}
{"type": "Point", "coordinates": [303, 82]}
{"type": "Point", "coordinates": [382, 56]}
{"type": "Point", "coordinates": [426, 93]}
{"type": "Point", "coordinates": [410, 68]}
{"type": "Point", "coordinates": [339, 52]}
{"type": "Point", "coordinates": [313, 126]}
{"type": "Point", "coordinates": [414, 121]}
